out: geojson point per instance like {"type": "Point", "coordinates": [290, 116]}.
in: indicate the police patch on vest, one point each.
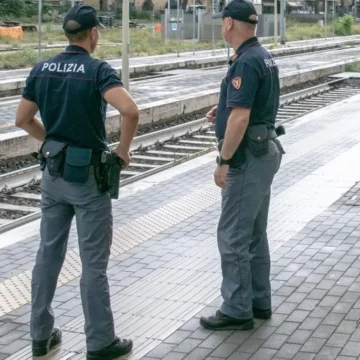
{"type": "Point", "coordinates": [236, 82]}
{"type": "Point", "coordinates": [63, 68]}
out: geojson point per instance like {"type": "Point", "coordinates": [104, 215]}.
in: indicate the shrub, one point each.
{"type": "Point", "coordinates": [343, 25]}
{"type": "Point", "coordinates": [65, 7]}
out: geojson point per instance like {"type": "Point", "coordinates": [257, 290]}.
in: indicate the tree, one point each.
{"type": "Point", "coordinates": [147, 5]}
{"type": "Point", "coordinates": [65, 7]}
{"type": "Point", "coordinates": [117, 4]}
{"type": "Point", "coordinates": [13, 8]}
{"type": "Point", "coordinates": [316, 6]}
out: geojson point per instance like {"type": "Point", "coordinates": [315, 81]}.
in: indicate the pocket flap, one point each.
{"type": "Point", "coordinates": [78, 157]}
{"type": "Point", "coordinates": [258, 132]}
{"type": "Point", "coordinates": [51, 148]}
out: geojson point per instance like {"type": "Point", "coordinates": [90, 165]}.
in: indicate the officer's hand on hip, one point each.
{"type": "Point", "coordinates": [220, 175]}
{"type": "Point", "coordinates": [124, 155]}
{"type": "Point", "coordinates": [211, 115]}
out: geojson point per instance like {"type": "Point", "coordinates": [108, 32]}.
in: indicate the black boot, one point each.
{"type": "Point", "coordinates": [113, 351]}
{"type": "Point", "coordinates": [223, 322]}
{"type": "Point", "coordinates": [41, 348]}
{"type": "Point", "coordinates": [262, 313]}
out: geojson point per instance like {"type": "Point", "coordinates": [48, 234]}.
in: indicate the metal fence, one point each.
{"type": "Point", "coordinates": [202, 27]}
{"type": "Point", "coordinates": [182, 25]}
{"type": "Point", "coordinates": [210, 28]}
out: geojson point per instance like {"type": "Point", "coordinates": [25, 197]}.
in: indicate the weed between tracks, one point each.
{"type": "Point", "coordinates": [353, 67]}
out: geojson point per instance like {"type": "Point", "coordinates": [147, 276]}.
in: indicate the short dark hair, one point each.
{"type": "Point", "coordinates": [80, 36]}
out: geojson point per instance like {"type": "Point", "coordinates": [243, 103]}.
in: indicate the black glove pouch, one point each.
{"type": "Point", "coordinates": [257, 140]}
{"type": "Point", "coordinates": [53, 153]}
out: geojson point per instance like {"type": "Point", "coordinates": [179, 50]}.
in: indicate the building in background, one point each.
{"type": "Point", "coordinates": [293, 7]}
{"type": "Point", "coordinates": [104, 5]}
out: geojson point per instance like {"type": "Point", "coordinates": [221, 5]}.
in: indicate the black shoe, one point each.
{"type": "Point", "coordinates": [262, 313]}
{"type": "Point", "coordinates": [223, 322]}
{"type": "Point", "coordinates": [41, 348]}
{"type": "Point", "coordinates": [113, 351]}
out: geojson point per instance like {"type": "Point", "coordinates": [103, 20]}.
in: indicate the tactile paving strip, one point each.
{"type": "Point", "coordinates": [15, 291]}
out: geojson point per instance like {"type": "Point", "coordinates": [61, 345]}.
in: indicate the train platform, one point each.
{"type": "Point", "coordinates": [200, 55]}
{"type": "Point", "coordinates": [180, 84]}
{"type": "Point", "coordinates": [165, 273]}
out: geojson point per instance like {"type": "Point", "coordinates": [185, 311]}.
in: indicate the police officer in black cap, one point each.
{"type": "Point", "coordinates": [250, 156]}
{"type": "Point", "coordinates": [71, 91]}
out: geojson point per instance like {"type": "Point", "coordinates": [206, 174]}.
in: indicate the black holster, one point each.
{"type": "Point", "coordinates": [108, 174]}
{"type": "Point", "coordinates": [102, 177]}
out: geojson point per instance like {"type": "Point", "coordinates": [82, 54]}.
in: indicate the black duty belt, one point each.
{"type": "Point", "coordinates": [96, 158]}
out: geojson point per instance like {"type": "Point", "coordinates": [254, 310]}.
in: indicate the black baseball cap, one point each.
{"type": "Point", "coordinates": [80, 18]}
{"type": "Point", "coordinates": [240, 10]}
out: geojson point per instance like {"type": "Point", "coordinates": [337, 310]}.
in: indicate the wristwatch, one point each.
{"type": "Point", "coordinates": [221, 161]}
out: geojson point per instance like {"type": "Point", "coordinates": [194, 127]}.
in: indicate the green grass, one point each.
{"type": "Point", "coordinates": [353, 67]}
{"type": "Point", "coordinates": [142, 42]}
{"type": "Point", "coordinates": [303, 31]}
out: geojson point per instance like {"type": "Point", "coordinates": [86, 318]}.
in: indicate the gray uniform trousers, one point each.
{"type": "Point", "coordinates": [60, 201]}
{"type": "Point", "coordinates": [242, 237]}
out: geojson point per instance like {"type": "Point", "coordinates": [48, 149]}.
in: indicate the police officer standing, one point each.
{"type": "Point", "coordinates": [250, 156]}
{"type": "Point", "coordinates": [71, 91]}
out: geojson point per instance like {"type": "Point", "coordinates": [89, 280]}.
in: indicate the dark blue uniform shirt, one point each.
{"type": "Point", "coordinates": [68, 90]}
{"type": "Point", "coordinates": [252, 81]}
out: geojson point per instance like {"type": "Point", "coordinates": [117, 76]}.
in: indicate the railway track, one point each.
{"type": "Point", "coordinates": [160, 150]}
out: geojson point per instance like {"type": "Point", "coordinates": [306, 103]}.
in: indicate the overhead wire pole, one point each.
{"type": "Point", "coordinates": [325, 18]}
{"type": "Point", "coordinates": [125, 44]}
{"type": "Point", "coordinates": [282, 22]}
{"type": "Point", "coordinates": [194, 24]}
{"type": "Point", "coordinates": [227, 44]}
{"type": "Point", "coordinates": [334, 19]}
{"type": "Point", "coordinates": [275, 21]}
{"type": "Point", "coordinates": [355, 10]}
{"type": "Point", "coordinates": [166, 24]}
{"type": "Point", "coordinates": [177, 27]}
{"type": "Point", "coordinates": [213, 27]}
{"type": "Point", "coordinates": [40, 16]}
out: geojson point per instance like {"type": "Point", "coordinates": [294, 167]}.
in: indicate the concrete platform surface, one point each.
{"type": "Point", "coordinates": [165, 272]}
{"type": "Point", "coordinates": [177, 83]}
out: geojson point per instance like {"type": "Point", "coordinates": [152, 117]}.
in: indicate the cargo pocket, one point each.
{"type": "Point", "coordinates": [54, 154]}
{"type": "Point", "coordinates": [77, 164]}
